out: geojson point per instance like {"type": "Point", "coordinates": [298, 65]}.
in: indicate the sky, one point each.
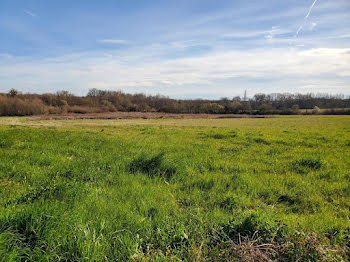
{"type": "Point", "coordinates": [181, 49]}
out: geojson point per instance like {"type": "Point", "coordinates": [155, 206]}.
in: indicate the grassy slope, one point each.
{"type": "Point", "coordinates": [132, 189]}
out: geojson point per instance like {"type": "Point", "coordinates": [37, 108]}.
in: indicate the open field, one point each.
{"type": "Point", "coordinates": [139, 115]}
{"type": "Point", "coordinates": [175, 189]}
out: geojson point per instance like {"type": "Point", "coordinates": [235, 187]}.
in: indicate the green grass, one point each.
{"type": "Point", "coordinates": [168, 190]}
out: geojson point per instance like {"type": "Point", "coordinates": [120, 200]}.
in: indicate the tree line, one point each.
{"type": "Point", "coordinates": [15, 103]}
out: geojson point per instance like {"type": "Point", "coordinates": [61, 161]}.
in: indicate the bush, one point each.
{"type": "Point", "coordinates": [13, 92]}
{"type": "Point", "coordinates": [13, 106]}
{"type": "Point", "coordinates": [79, 109]}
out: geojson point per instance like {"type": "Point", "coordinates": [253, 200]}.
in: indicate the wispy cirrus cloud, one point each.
{"type": "Point", "coordinates": [4, 55]}
{"type": "Point", "coordinates": [30, 13]}
{"type": "Point", "coordinates": [114, 41]}
{"type": "Point", "coordinates": [253, 34]}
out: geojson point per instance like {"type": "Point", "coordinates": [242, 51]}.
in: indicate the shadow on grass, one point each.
{"type": "Point", "coordinates": [152, 166]}
{"type": "Point", "coordinates": [231, 134]}
{"type": "Point", "coordinates": [304, 165]}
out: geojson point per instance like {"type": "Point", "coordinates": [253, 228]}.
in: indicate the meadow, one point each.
{"type": "Point", "coordinates": [175, 189]}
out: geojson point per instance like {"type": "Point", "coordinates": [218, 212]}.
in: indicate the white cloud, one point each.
{"type": "Point", "coordinates": [245, 34]}
{"type": "Point", "coordinates": [130, 73]}
{"type": "Point", "coordinates": [114, 41]}
{"type": "Point", "coordinates": [4, 55]}
{"type": "Point", "coordinates": [313, 25]}
{"type": "Point", "coordinates": [204, 51]}
{"type": "Point", "coordinates": [30, 13]}
{"type": "Point", "coordinates": [268, 33]}
{"type": "Point", "coordinates": [341, 36]}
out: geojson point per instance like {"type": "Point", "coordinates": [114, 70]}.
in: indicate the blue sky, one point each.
{"type": "Point", "coordinates": [182, 49]}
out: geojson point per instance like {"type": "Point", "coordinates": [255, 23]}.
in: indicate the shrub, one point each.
{"type": "Point", "coordinates": [79, 109]}
{"type": "Point", "coordinates": [13, 106]}
{"type": "Point", "coordinates": [13, 92]}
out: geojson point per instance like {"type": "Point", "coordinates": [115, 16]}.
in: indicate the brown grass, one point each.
{"type": "Point", "coordinates": [305, 247]}
{"type": "Point", "coordinates": [139, 115]}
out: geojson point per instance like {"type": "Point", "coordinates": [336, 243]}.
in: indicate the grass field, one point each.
{"type": "Point", "coordinates": [168, 190]}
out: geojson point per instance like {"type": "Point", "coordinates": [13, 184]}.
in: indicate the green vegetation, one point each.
{"type": "Point", "coordinates": [165, 190]}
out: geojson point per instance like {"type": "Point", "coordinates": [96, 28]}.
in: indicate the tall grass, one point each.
{"type": "Point", "coordinates": [252, 189]}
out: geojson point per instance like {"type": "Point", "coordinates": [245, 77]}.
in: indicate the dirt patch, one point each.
{"type": "Point", "coordinates": [140, 115]}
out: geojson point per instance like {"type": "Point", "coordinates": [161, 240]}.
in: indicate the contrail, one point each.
{"type": "Point", "coordinates": [312, 6]}
{"type": "Point", "coordinates": [305, 18]}
{"type": "Point", "coordinates": [297, 33]}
